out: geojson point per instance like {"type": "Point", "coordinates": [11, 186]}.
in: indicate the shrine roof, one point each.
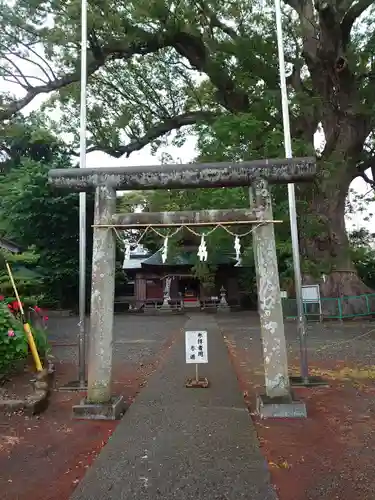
{"type": "Point", "coordinates": [133, 263]}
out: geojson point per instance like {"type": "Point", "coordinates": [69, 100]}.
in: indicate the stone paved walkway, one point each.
{"type": "Point", "coordinates": [178, 443]}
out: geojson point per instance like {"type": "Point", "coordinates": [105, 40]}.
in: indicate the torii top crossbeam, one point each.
{"type": "Point", "coordinates": [195, 175]}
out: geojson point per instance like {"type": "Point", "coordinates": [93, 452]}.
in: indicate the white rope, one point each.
{"type": "Point", "coordinates": [202, 250]}
{"type": "Point", "coordinates": [127, 249]}
{"type": "Point", "coordinates": [192, 231]}
{"type": "Point", "coordinates": [237, 249]}
{"type": "Point", "coordinates": [164, 253]}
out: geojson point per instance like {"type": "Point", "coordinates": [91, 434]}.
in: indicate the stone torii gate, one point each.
{"type": "Point", "coordinates": [258, 175]}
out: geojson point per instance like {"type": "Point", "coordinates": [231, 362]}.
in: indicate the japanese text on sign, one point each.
{"type": "Point", "coordinates": [196, 347]}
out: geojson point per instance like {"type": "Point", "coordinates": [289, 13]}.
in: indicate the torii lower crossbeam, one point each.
{"type": "Point", "coordinates": [172, 219]}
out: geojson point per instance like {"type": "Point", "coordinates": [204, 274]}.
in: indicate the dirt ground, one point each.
{"type": "Point", "coordinates": [43, 458]}
{"type": "Point", "coordinates": [18, 384]}
{"type": "Point", "coordinates": [328, 456]}
{"type": "Point", "coordinates": [331, 454]}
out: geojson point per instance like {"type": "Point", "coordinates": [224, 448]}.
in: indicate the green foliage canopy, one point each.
{"type": "Point", "coordinates": [36, 217]}
{"type": "Point", "coordinates": [158, 68]}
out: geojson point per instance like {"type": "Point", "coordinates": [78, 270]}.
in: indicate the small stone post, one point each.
{"type": "Point", "coordinates": [167, 294]}
{"type": "Point", "coordinates": [102, 299]}
{"type": "Point", "coordinates": [223, 304]}
{"type": "Point", "coordinates": [269, 300]}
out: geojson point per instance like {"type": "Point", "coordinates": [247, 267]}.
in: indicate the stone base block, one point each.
{"type": "Point", "coordinates": [74, 386]}
{"type": "Point", "coordinates": [201, 383]}
{"type": "Point", "coordinates": [38, 399]}
{"type": "Point", "coordinates": [113, 410]}
{"type": "Point", "coordinates": [37, 403]}
{"type": "Point", "coordinates": [280, 407]}
{"type": "Point", "coordinates": [297, 381]}
{"type": "Point", "coordinates": [165, 309]}
{"type": "Point", "coordinates": [223, 309]}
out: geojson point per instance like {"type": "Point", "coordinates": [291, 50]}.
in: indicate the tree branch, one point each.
{"type": "Point", "coordinates": [108, 81]}
{"type": "Point", "coordinates": [367, 164]}
{"type": "Point", "coordinates": [304, 125]}
{"type": "Point", "coordinates": [295, 80]}
{"type": "Point", "coordinates": [351, 16]}
{"type": "Point", "coordinates": [7, 75]}
{"type": "Point", "coordinates": [28, 47]}
{"type": "Point", "coordinates": [214, 22]}
{"type": "Point", "coordinates": [26, 85]}
{"type": "Point", "coordinates": [8, 110]}
{"type": "Point", "coordinates": [309, 28]}
{"type": "Point", "coordinates": [192, 47]}
{"type": "Point", "coordinates": [159, 130]}
{"type": "Point", "coordinates": [28, 77]}
{"type": "Point", "coordinates": [367, 179]}
{"type": "Point", "coordinates": [295, 4]}
{"type": "Point", "coordinates": [142, 45]}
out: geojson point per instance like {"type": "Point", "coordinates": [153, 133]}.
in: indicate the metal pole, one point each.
{"type": "Point", "coordinates": [291, 196]}
{"type": "Point", "coordinates": [82, 205]}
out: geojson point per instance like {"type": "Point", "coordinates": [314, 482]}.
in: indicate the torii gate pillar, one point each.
{"type": "Point", "coordinates": [99, 404]}
{"type": "Point", "coordinates": [278, 401]}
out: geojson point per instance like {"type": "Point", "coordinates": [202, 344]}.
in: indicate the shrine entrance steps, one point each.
{"type": "Point", "coordinates": [179, 443]}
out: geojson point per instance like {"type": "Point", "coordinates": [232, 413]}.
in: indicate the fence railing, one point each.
{"type": "Point", "coordinates": [333, 308]}
{"type": "Point", "coordinates": [130, 304]}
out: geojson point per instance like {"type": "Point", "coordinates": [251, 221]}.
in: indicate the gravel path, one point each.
{"type": "Point", "coordinates": [185, 444]}
{"type": "Point", "coordinates": [136, 337]}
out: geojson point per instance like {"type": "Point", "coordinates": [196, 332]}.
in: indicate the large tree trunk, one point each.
{"type": "Point", "coordinates": [338, 105]}
{"type": "Point", "coordinates": [325, 245]}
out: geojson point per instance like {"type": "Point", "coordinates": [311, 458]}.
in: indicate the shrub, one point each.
{"type": "Point", "coordinates": [13, 341]}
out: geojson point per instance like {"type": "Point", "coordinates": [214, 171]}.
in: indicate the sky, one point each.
{"type": "Point", "coordinates": [188, 151]}
{"type": "Point", "coordinates": [183, 154]}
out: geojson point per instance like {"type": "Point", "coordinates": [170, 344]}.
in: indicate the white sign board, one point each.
{"type": "Point", "coordinates": [196, 347]}
{"type": "Point", "coordinates": [311, 300]}
{"type": "Point", "coordinates": [311, 293]}
{"type": "Point", "coordinates": [283, 294]}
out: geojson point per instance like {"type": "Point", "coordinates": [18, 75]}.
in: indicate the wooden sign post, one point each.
{"type": "Point", "coordinates": [196, 353]}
